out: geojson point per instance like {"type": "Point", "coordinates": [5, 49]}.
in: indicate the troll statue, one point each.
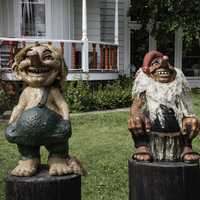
{"type": "Point", "coordinates": [161, 119]}
{"type": "Point", "coordinates": [41, 116]}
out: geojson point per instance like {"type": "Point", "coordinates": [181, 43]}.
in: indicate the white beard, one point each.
{"type": "Point", "coordinates": [172, 95]}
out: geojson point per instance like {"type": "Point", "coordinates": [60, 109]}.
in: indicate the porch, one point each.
{"type": "Point", "coordinates": [85, 59]}
{"type": "Point", "coordinates": [102, 58]}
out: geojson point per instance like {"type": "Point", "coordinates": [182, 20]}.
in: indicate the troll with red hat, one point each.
{"type": "Point", "coordinates": [161, 119]}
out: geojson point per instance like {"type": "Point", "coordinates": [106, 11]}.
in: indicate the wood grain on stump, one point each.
{"type": "Point", "coordinates": [163, 181]}
{"type": "Point", "coordinates": [42, 186]}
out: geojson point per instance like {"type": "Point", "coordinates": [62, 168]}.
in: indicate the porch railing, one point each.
{"type": "Point", "coordinates": [102, 57]}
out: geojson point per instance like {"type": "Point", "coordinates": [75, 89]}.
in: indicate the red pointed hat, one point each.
{"type": "Point", "coordinates": [148, 58]}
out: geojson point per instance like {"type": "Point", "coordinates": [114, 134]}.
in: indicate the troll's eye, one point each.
{"type": "Point", "coordinates": [28, 53]}
{"type": "Point", "coordinates": [46, 55]}
{"type": "Point", "coordinates": [156, 62]}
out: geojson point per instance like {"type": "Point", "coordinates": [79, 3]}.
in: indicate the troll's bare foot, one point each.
{"type": "Point", "coordinates": [142, 154]}
{"type": "Point", "coordinates": [189, 156]}
{"type": "Point", "coordinates": [75, 166]}
{"type": "Point", "coordinates": [58, 166]}
{"type": "Point", "coordinates": [26, 167]}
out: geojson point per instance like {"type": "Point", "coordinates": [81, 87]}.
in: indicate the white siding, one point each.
{"type": "Point", "coordinates": [61, 24]}
{"type": "Point", "coordinates": [107, 13]}
{"type": "Point", "coordinates": [93, 20]}
{"type": "Point", "coordinates": [6, 18]}
{"type": "Point", "coordinates": [60, 19]}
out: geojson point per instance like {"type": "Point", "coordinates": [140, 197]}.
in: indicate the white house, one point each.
{"type": "Point", "coordinates": [87, 31]}
{"type": "Point", "coordinates": [98, 40]}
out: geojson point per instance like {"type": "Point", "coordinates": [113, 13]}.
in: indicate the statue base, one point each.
{"type": "Point", "coordinates": [43, 186]}
{"type": "Point", "coordinates": [163, 180]}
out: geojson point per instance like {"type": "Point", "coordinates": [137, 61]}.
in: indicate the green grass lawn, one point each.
{"type": "Point", "coordinates": [103, 144]}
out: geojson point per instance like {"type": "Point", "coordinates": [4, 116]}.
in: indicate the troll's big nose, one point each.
{"type": "Point", "coordinates": [165, 61]}
{"type": "Point", "coordinates": [34, 58]}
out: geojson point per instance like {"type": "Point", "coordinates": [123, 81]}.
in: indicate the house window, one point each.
{"type": "Point", "coordinates": [191, 59]}
{"type": "Point", "coordinates": [33, 21]}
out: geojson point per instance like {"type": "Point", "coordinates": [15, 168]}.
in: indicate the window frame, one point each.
{"type": "Point", "coordinates": [18, 19]}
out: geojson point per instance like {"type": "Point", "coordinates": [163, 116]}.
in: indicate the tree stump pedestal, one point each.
{"type": "Point", "coordinates": [42, 186]}
{"type": "Point", "coordinates": [163, 181]}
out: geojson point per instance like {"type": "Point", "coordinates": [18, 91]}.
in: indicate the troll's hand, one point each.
{"type": "Point", "coordinates": [190, 126]}
{"type": "Point", "coordinates": [139, 124]}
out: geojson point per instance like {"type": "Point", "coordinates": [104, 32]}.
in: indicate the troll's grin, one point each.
{"type": "Point", "coordinates": [163, 72]}
{"type": "Point", "coordinates": [38, 71]}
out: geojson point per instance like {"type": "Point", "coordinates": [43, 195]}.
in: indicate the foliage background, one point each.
{"type": "Point", "coordinates": [87, 96]}
{"type": "Point", "coordinates": [171, 15]}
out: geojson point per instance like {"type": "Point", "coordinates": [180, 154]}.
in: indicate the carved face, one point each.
{"type": "Point", "coordinates": [161, 70]}
{"type": "Point", "coordinates": [39, 66]}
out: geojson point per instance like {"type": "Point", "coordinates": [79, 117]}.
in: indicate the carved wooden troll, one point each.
{"type": "Point", "coordinates": [41, 116]}
{"type": "Point", "coordinates": [161, 122]}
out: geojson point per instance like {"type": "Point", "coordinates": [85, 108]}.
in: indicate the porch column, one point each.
{"type": "Point", "coordinates": [117, 29]}
{"type": "Point", "coordinates": [116, 22]}
{"type": "Point", "coordinates": [178, 48]}
{"type": "Point", "coordinates": [152, 43]}
{"type": "Point", "coordinates": [85, 47]}
{"type": "Point", "coordinates": [152, 40]}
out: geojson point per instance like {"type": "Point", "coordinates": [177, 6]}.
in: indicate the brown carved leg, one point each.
{"type": "Point", "coordinates": [142, 151]}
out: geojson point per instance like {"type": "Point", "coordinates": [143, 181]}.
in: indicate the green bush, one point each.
{"type": "Point", "coordinates": [6, 102]}
{"type": "Point", "coordinates": [78, 95]}
{"type": "Point", "coordinates": [101, 95]}
{"type": "Point", "coordinates": [87, 95]}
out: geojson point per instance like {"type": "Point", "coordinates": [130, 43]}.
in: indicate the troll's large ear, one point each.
{"type": "Point", "coordinates": [18, 76]}
{"type": "Point", "coordinates": [15, 70]}
{"type": "Point", "coordinates": [62, 72]}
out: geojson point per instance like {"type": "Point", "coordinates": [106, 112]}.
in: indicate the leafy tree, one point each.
{"type": "Point", "coordinates": [167, 16]}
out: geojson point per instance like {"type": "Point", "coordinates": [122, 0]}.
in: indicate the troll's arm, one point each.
{"type": "Point", "coordinates": [138, 122]}
{"type": "Point", "coordinates": [60, 103]}
{"type": "Point", "coordinates": [19, 108]}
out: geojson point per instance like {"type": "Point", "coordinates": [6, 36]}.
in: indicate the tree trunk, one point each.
{"type": "Point", "coordinates": [163, 181]}
{"type": "Point", "coordinates": [42, 186]}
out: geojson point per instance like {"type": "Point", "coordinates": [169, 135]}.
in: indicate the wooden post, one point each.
{"type": "Point", "coordinates": [178, 48]}
{"type": "Point", "coordinates": [111, 58]}
{"type": "Point", "coordinates": [117, 22]}
{"type": "Point", "coordinates": [117, 31]}
{"type": "Point", "coordinates": [85, 46]}
{"type": "Point", "coordinates": [106, 57]}
{"type": "Point", "coordinates": [73, 55]}
{"type": "Point", "coordinates": [0, 60]}
{"type": "Point", "coordinates": [163, 181]}
{"type": "Point", "coordinates": [11, 53]}
{"type": "Point", "coordinates": [43, 186]}
{"type": "Point", "coordinates": [94, 56]}
{"type": "Point", "coordinates": [84, 19]}
{"type": "Point", "coordinates": [115, 57]}
{"type": "Point", "coordinates": [102, 57]}
{"type": "Point", "coordinates": [152, 40]}
{"type": "Point", "coordinates": [62, 48]}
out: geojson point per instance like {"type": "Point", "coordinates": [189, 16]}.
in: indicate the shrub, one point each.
{"type": "Point", "coordinates": [101, 95]}
{"type": "Point", "coordinates": [6, 102]}
{"type": "Point", "coordinates": [87, 95]}
{"type": "Point", "coordinates": [78, 95]}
